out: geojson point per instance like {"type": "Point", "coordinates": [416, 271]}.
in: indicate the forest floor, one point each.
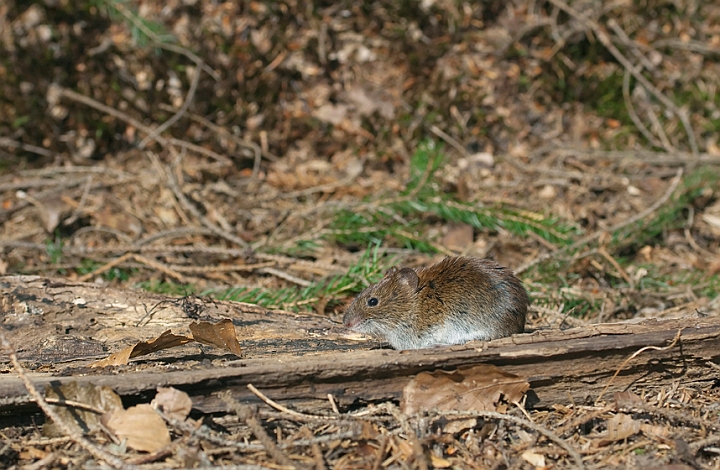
{"type": "Point", "coordinates": [286, 154]}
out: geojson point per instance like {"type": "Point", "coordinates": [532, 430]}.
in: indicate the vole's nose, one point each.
{"type": "Point", "coordinates": [350, 320]}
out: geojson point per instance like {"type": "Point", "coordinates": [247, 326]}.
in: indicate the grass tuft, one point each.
{"type": "Point", "coordinates": [368, 270]}
{"type": "Point", "coordinates": [624, 246]}
{"type": "Point", "coordinates": [672, 216]}
{"type": "Point", "coordinates": [404, 219]}
{"type": "Point", "coordinates": [137, 25]}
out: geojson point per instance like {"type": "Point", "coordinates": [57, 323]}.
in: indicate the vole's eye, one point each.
{"type": "Point", "coordinates": [372, 301]}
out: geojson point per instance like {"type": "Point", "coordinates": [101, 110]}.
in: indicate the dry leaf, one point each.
{"type": "Point", "coordinates": [221, 335]}
{"type": "Point", "coordinates": [481, 159]}
{"type": "Point", "coordinates": [261, 39]}
{"type": "Point", "coordinates": [439, 462]}
{"type": "Point", "coordinates": [525, 436]}
{"type": "Point", "coordinates": [458, 237]}
{"type": "Point", "coordinates": [364, 449]}
{"type": "Point", "coordinates": [33, 453]}
{"type": "Point", "coordinates": [478, 388]}
{"type": "Point", "coordinates": [621, 426]}
{"type": "Point", "coordinates": [712, 269]}
{"type": "Point", "coordinates": [404, 449]}
{"type": "Point", "coordinates": [331, 113]}
{"type": "Point", "coordinates": [547, 192]}
{"type": "Point", "coordinates": [164, 341]}
{"type": "Point", "coordinates": [115, 359]}
{"type": "Point", "coordinates": [456, 426]}
{"type": "Point", "coordinates": [117, 220]}
{"type": "Point", "coordinates": [173, 402]}
{"type": "Point", "coordinates": [51, 211]}
{"type": "Point", "coordinates": [536, 460]}
{"type": "Point", "coordinates": [655, 431]}
{"type": "Point", "coordinates": [626, 398]}
{"type": "Point", "coordinates": [143, 428]}
{"type": "Point", "coordinates": [367, 103]}
{"type": "Point", "coordinates": [81, 421]}
{"type": "Point", "coordinates": [368, 431]}
{"type": "Point", "coordinates": [713, 220]}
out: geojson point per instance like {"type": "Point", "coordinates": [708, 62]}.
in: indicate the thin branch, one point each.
{"type": "Point", "coordinates": [659, 128]}
{"type": "Point", "coordinates": [648, 157]}
{"type": "Point", "coordinates": [585, 240]}
{"type": "Point", "coordinates": [633, 115]}
{"type": "Point", "coordinates": [605, 41]}
{"type": "Point", "coordinates": [287, 276]}
{"type": "Point", "coordinates": [248, 414]}
{"type": "Point", "coordinates": [633, 356]}
{"type": "Point", "coordinates": [161, 44]}
{"type": "Point", "coordinates": [439, 132]}
{"type": "Point", "coordinates": [50, 413]}
{"type": "Point", "coordinates": [284, 409]}
{"type": "Point", "coordinates": [140, 259]}
{"type": "Point", "coordinates": [222, 131]}
{"type": "Point", "coordinates": [5, 142]}
{"type": "Point", "coordinates": [183, 109]}
{"type": "Point", "coordinates": [55, 92]}
{"type": "Point", "coordinates": [174, 186]}
{"type": "Point", "coordinates": [634, 46]}
{"type": "Point", "coordinates": [523, 422]}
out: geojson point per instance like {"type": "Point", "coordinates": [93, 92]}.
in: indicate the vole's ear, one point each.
{"type": "Point", "coordinates": [409, 277]}
{"type": "Point", "coordinates": [390, 272]}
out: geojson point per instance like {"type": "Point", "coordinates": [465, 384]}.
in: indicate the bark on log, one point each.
{"type": "Point", "coordinates": [302, 358]}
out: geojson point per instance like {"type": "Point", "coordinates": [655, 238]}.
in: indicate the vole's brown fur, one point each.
{"type": "Point", "coordinates": [454, 301]}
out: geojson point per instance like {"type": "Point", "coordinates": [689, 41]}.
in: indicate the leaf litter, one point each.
{"type": "Point", "coordinates": [479, 388]}
{"type": "Point", "coordinates": [221, 335]}
{"type": "Point", "coordinates": [306, 127]}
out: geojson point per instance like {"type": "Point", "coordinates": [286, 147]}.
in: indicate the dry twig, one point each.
{"type": "Point", "coordinates": [293, 413]}
{"type": "Point", "coordinates": [671, 415]}
{"type": "Point", "coordinates": [382, 445]}
{"type": "Point", "coordinates": [140, 259]}
{"type": "Point", "coordinates": [523, 422]}
{"type": "Point", "coordinates": [633, 356]}
{"type": "Point", "coordinates": [404, 420]}
{"type": "Point", "coordinates": [605, 41]}
{"type": "Point", "coordinates": [585, 240]}
{"type": "Point", "coordinates": [174, 186]}
{"type": "Point", "coordinates": [634, 117]}
{"type": "Point", "coordinates": [317, 453]}
{"type": "Point", "coordinates": [249, 416]}
{"type": "Point", "coordinates": [50, 413]}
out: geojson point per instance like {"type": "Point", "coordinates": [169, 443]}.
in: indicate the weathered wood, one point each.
{"type": "Point", "coordinates": [302, 358]}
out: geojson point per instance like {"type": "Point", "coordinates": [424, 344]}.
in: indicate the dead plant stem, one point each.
{"type": "Point", "coordinates": [633, 115]}
{"type": "Point", "coordinates": [523, 422]}
{"type": "Point", "coordinates": [633, 356]}
{"type": "Point", "coordinates": [158, 42]}
{"type": "Point", "coordinates": [587, 239]}
{"type": "Point", "coordinates": [605, 41]}
{"type": "Point", "coordinates": [249, 415]}
{"type": "Point", "coordinates": [96, 451]}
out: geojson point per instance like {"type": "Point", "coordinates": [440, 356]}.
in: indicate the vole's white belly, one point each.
{"type": "Point", "coordinates": [454, 332]}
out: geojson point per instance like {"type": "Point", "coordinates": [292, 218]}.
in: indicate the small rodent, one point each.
{"type": "Point", "coordinates": [456, 300]}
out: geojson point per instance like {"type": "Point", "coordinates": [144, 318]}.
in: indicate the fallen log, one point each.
{"type": "Point", "coordinates": [300, 359]}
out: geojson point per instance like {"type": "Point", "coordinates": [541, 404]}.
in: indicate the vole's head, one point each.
{"type": "Point", "coordinates": [387, 308]}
